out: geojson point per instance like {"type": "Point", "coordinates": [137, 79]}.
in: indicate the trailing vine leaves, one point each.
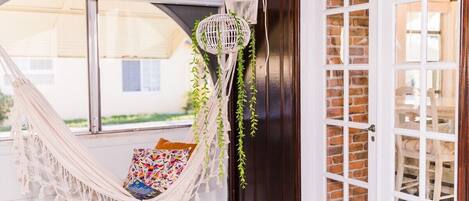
{"type": "Point", "coordinates": [195, 93]}
{"type": "Point", "coordinates": [252, 84]}
{"type": "Point", "coordinates": [200, 93]}
{"type": "Point", "coordinates": [240, 102]}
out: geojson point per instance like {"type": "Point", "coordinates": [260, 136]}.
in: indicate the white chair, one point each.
{"type": "Point", "coordinates": [437, 152]}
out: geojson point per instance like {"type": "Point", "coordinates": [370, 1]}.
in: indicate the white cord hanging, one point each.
{"type": "Point", "coordinates": [222, 28]}
{"type": "Point", "coordinates": [244, 8]}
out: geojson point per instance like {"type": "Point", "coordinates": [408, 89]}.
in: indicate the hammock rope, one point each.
{"type": "Point", "coordinates": [51, 161]}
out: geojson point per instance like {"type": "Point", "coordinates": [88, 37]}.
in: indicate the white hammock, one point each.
{"type": "Point", "coordinates": [50, 157]}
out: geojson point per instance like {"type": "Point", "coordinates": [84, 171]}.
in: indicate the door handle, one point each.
{"type": "Point", "coordinates": [372, 128]}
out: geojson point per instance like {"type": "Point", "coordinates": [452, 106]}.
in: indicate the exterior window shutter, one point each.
{"type": "Point", "coordinates": [131, 76]}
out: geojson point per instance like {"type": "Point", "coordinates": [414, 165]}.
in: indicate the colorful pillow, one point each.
{"type": "Point", "coordinates": [153, 171]}
{"type": "Point", "coordinates": [166, 144]}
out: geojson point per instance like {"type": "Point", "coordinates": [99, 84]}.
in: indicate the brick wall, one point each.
{"type": "Point", "coordinates": [335, 26]}
{"type": "Point", "coordinates": [358, 102]}
{"type": "Point", "coordinates": [358, 37]}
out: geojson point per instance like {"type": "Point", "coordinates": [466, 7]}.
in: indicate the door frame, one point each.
{"type": "Point", "coordinates": [313, 108]}
{"type": "Point", "coordinates": [463, 123]}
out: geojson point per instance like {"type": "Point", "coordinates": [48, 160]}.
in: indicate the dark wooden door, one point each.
{"type": "Point", "coordinates": [273, 169]}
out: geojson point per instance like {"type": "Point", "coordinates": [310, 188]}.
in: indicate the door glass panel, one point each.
{"type": "Point", "coordinates": [441, 100]}
{"type": "Point", "coordinates": [358, 37]}
{"type": "Point", "coordinates": [354, 2]}
{"type": "Point", "coordinates": [442, 43]}
{"type": "Point", "coordinates": [408, 32]}
{"type": "Point", "coordinates": [335, 190]}
{"type": "Point", "coordinates": [441, 169]}
{"type": "Point", "coordinates": [335, 150]}
{"type": "Point", "coordinates": [335, 94]}
{"type": "Point", "coordinates": [357, 193]}
{"type": "Point", "coordinates": [407, 164]}
{"type": "Point", "coordinates": [335, 3]}
{"type": "Point", "coordinates": [358, 154]}
{"type": "Point", "coordinates": [407, 99]}
{"type": "Point", "coordinates": [358, 92]}
{"type": "Point", "coordinates": [335, 38]}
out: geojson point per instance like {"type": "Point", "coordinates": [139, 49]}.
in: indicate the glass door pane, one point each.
{"type": "Point", "coordinates": [347, 99]}
{"type": "Point", "coordinates": [425, 94]}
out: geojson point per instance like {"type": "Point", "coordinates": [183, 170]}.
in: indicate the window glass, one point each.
{"type": "Point", "coordinates": [47, 40]}
{"type": "Point", "coordinates": [145, 66]}
{"type": "Point", "coordinates": [407, 99]}
{"type": "Point", "coordinates": [441, 100]}
{"type": "Point", "coordinates": [358, 37]}
{"type": "Point", "coordinates": [408, 30]}
{"type": "Point", "coordinates": [335, 3]}
{"type": "Point", "coordinates": [443, 31]}
{"type": "Point", "coordinates": [335, 37]}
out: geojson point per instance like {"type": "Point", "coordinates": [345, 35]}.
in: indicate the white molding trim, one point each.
{"type": "Point", "coordinates": [312, 146]}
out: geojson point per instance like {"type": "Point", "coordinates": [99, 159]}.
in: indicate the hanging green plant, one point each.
{"type": "Point", "coordinates": [200, 91]}
{"type": "Point", "coordinates": [243, 102]}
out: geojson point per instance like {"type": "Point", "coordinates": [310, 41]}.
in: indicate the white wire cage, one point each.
{"type": "Point", "coordinates": [247, 9]}
{"type": "Point", "coordinates": [221, 33]}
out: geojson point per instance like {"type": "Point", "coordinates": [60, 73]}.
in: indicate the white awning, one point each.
{"type": "Point", "coordinates": [57, 28]}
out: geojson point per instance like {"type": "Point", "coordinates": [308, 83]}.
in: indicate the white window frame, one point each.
{"type": "Point", "coordinates": [93, 65]}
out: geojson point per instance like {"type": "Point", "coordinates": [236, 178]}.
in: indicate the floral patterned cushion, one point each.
{"type": "Point", "coordinates": [156, 169]}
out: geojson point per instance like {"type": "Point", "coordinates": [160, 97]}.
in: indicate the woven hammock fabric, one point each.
{"type": "Point", "coordinates": [52, 160]}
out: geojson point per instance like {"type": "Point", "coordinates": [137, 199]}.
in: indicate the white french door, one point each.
{"type": "Point", "coordinates": [418, 73]}
{"type": "Point", "coordinates": [389, 82]}
{"type": "Point", "coordinates": [349, 119]}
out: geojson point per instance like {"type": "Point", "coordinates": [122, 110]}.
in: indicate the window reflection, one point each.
{"type": "Point", "coordinates": [442, 31]}
{"type": "Point", "coordinates": [408, 30]}
{"type": "Point", "coordinates": [440, 174]}
{"type": "Point", "coordinates": [407, 165]}
{"type": "Point", "coordinates": [441, 100]}
{"type": "Point", "coordinates": [407, 99]}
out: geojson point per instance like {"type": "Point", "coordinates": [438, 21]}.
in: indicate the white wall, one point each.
{"type": "Point", "coordinates": [113, 150]}
{"type": "Point", "coordinates": [175, 84]}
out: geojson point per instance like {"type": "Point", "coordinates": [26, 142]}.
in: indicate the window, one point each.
{"type": "Point", "coordinates": [413, 36]}
{"type": "Point", "coordinates": [38, 71]}
{"type": "Point", "coordinates": [145, 69]}
{"type": "Point", "coordinates": [47, 40]}
{"type": "Point", "coordinates": [141, 76]}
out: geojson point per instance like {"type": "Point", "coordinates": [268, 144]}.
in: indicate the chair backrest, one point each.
{"type": "Point", "coordinates": [433, 113]}
{"type": "Point", "coordinates": [400, 94]}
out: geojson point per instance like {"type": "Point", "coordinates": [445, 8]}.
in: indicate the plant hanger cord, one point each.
{"type": "Point", "coordinates": [267, 40]}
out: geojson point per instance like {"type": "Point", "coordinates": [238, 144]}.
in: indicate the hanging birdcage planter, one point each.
{"type": "Point", "coordinates": [223, 33]}
{"type": "Point", "coordinates": [246, 9]}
